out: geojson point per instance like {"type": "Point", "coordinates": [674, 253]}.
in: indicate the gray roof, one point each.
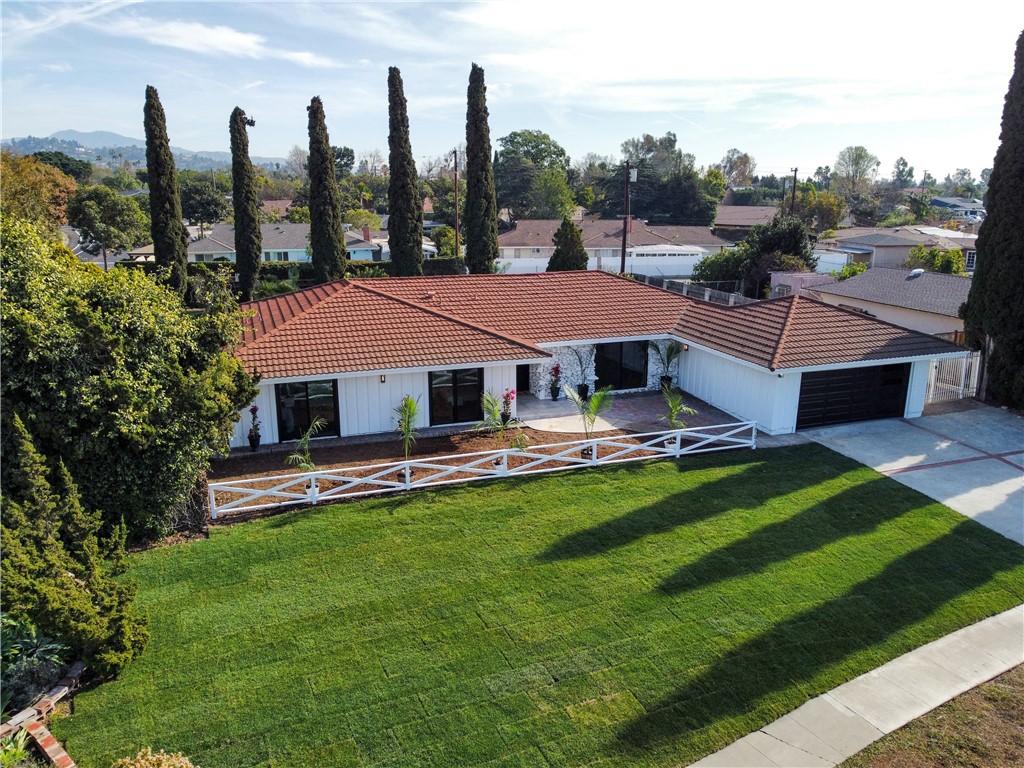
{"type": "Point", "coordinates": [929, 292]}
{"type": "Point", "coordinates": [880, 238]}
{"type": "Point", "coordinates": [277, 236]}
{"type": "Point", "coordinates": [607, 233]}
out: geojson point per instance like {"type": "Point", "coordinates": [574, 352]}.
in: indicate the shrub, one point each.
{"type": "Point", "coordinates": [147, 758]}
{"type": "Point", "coordinates": [27, 679]}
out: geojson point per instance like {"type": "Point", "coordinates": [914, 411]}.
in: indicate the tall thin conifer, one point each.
{"type": "Point", "coordinates": [246, 205]}
{"type": "Point", "coordinates": [170, 238]}
{"type": "Point", "coordinates": [405, 208]}
{"type": "Point", "coordinates": [481, 214]}
{"type": "Point", "coordinates": [326, 234]}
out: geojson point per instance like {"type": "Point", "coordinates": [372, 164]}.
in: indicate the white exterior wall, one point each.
{"type": "Point", "coordinates": [916, 320]}
{"type": "Point", "coordinates": [746, 392]}
{"type": "Point", "coordinates": [365, 404]}
{"type": "Point", "coordinates": [917, 388]}
{"type": "Point", "coordinates": [671, 266]}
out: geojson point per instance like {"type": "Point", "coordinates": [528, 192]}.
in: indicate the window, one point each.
{"type": "Point", "coordinates": [275, 255]}
{"type": "Point", "coordinates": [621, 365]}
{"type": "Point", "coordinates": [456, 396]}
{"type": "Point", "coordinates": [298, 404]}
{"type": "Point", "coordinates": [969, 259]}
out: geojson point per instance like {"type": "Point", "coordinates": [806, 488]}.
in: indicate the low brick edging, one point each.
{"type": "Point", "coordinates": [31, 718]}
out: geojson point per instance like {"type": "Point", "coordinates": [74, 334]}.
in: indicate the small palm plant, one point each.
{"type": "Point", "coordinates": [406, 413]}
{"type": "Point", "coordinates": [591, 407]}
{"type": "Point", "coordinates": [300, 458]}
{"type": "Point", "coordinates": [492, 421]}
{"type": "Point", "coordinates": [676, 404]}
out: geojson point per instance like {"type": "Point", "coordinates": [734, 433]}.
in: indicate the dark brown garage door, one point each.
{"type": "Point", "coordinates": [852, 394]}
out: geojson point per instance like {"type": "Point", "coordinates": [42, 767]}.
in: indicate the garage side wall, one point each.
{"type": "Point", "coordinates": [917, 389]}
{"type": "Point", "coordinates": [745, 392]}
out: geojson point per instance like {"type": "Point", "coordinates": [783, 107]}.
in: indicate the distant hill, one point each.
{"type": "Point", "coordinates": [90, 145]}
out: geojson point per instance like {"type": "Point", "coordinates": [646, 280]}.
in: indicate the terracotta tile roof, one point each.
{"type": "Point", "coordinates": [345, 327]}
{"type": "Point", "coordinates": [927, 292]}
{"type": "Point", "coordinates": [797, 332]}
{"type": "Point", "coordinates": [412, 322]}
{"type": "Point", "coordinates": [546, 306]}
{"type": "Point", "coordinates": [607, 233]}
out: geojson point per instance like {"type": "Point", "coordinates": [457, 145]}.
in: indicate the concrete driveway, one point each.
{"type": "Point", "coordinates": [967, 455]}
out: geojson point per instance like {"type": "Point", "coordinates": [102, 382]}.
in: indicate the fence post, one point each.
{"type": "Point", "coordinates": [753, 436]}
{"type": "Point", "coordinates": [679, 443]}
{"type": "Point", "coordinates": [408, 476]}
{"type": "Point", "coordinates": [504, 463]}
{"type": "Point", "coordinates": [213, 504]}
{"type": "Point", "coordinates": [964, 362]}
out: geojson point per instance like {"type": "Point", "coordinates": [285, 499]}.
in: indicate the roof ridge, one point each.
{"type": "Point", "coordinates": [291, 297]}
{"type": "Point", "coordinates": [445, 315]}
{"type": "Point", "coordinates": [780, 344]}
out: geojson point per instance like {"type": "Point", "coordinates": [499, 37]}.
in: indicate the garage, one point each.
{"type": "Point", "coordinates": [840, 396]}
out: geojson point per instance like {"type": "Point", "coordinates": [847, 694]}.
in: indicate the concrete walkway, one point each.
{"type": "Point", "coordinates": [832, 727]}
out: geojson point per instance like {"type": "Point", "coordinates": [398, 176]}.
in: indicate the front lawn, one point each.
{"type": "Point", "coordinates": [644, 615]}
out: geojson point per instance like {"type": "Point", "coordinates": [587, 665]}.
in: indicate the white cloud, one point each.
{"type": "Point", "coordinates": [57, 67]}
{"type": "Point", "coordinates": [18, 28]}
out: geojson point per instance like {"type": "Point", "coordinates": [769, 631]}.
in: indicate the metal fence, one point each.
{"type": "Point", "coordinates": [328, 485]}
{"type": "Point", "coordinates": [954, 379]}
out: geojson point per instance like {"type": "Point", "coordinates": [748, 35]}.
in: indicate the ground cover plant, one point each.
{"type": "Point", "coordinates": [638, 615]}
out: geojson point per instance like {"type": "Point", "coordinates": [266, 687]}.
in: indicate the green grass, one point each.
{"type": "Point", "coordinates": [640, 615]}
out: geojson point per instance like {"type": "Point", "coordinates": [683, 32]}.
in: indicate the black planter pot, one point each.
{"type": "Point", "coordinates": [587, 453]}
{"type": "Point", "coordinates": [505, 418]}
{"type": "Point", "coordinates": [254, 442]}
{"type": "Point", "coordinates": [583, 390]}
{"type": "Point", "coordinates": [554, 391]}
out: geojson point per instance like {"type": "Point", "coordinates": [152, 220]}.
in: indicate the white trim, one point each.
{"type": "Point", "coordinates": [870, 363]}
{"type": "Point", "coordinates": [397, 371]}
{"type": "Point", "coordinates": [601, 340]}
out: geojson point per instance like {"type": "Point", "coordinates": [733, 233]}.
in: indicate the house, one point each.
{"type": "Point", "coordinates": [734, 222]}
{"type": "Point", "coordinates": [350, 350]}
{"type": "Point", "coordinates": [960, 207]}
{"type": "Point", "coordinates": [889, 246]}
{"type": "Point", "coordinates": [282, 241]}
{"type": "Point", "coordinates": [651, 250]}
{"type": "Point", "coordinates": [928, 302]}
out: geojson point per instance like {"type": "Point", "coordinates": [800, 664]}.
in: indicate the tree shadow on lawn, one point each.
{"type": "Point", "coordinates": [853, 512]}
{"type": "Point", "coordinates": [906, 592]}
{"type": "Point", "coordinates": [746, 487]}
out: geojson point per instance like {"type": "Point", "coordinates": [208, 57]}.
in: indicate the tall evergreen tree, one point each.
{"type": "Point", "coordinates": [405, 208]}
{"type": "Point", "coordinates": [246, 204]}
{"type": "Point", "coordinates": [569, 251]}
{"type": "Point", "coordinates": [481, 216]}
{"type": "Point", "coordinates": [170, 239]}
{"type": "Point", "coordinates": [326, 235]}
{"type": "Point", "coordinates": [994, 312]}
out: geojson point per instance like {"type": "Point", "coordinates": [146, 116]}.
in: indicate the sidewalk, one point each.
{"type": "Point", "coordinates": [832, 727]}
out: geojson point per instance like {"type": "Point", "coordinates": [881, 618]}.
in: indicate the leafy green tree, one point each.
{"type": "Point", "coordinates": [994, 312]}
{"type": "Point", "coordinates": [52, 561]}
{"type": "Point", "coordinates": [202, 202]}
{"type": "Point", "coordinates": [936, 260]}
{"type": "Point", "coordinates": [122, 180]}
{"type": "Point", "coordinates": [550, 195]}
{"type": "Point", "coordinates": [818, 210]}
{"type": "Point", "coordinates": [108, 221]}
{"type": "Point", "coordinates": [170, 238]}
{"type": "Point", "coordinates": [661, 154]}
{"type": "Point", "coordinates": [35, 192]}
{"type": "Point", "coordinates": [570, 252]}
{"type": "Point", "coordinates": [444, 239]}
{"type": "Point", "coordinates": [360, 217]}
{"type": "Point", "coordinates": [245, 205]}
{"type": "Point", "coordinates": [522, 156]}
{"type": "Point", "coordinates": [855, 170]}
{"type": "Point", "coordinates": [902, 174]}
{"type": "Point", "coordinates": [738, 168]}
{"type": "Point", "coordinates": [852, 269]}
{"type": "Point", "coordinates": [112, 374]}
{"type": "Point", "coordinates": [780, 245]}
{"type": "Point", "coordinates": [326, 234]}
{"type": "Point", "coordinates": [344, 160]}
{"type": "Point", "coordinates": [405, 208]}
{"type": "Point", "coordinates": [79, 170]}
{"type": "Point", "coordinates": [481, 218]}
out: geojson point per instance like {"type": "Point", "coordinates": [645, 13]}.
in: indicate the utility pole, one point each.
{"type": "Point", "coordinates": [792, 200]}
{"type": "Point", "coordinates": [630, 174]}
{"type": "Point", "coordinates": [455, 153]}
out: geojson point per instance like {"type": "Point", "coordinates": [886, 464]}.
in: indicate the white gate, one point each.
{"type": "Point", "coordinates": [954, 379]}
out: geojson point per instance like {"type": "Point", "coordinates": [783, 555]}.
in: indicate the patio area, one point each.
{"type": "Point", "coordinates": [630, 412]}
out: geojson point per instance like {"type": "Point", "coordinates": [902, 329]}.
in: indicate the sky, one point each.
{"type": "Point", "coordinates": [791, 83]}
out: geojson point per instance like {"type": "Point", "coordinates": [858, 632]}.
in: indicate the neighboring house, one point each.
{"type": "Point", "coordinates": [276, 208]}
{"type": "Point", "coordinates": [922, 301]}
{"type": "Point", "coordinates": [282, 241]}
{"type": "Point", "coordinates": [651, 250]}
{"type": "Point", "coordinates": [734, 222]}
{"type": "Point", "coordinates": [350, 350]}
{"type": "Point", "coordinates": [889, 247]}
{"type": "Point", "coordinates": [960, 207]}
{"type": "Point", "coordinates": [798, 283]}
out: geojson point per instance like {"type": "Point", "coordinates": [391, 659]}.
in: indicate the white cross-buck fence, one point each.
{"type": "Point", "coordinates": [326, 485]}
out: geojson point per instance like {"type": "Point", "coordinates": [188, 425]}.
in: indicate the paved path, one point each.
{"type": "Point", "coordinates": [827, 730]}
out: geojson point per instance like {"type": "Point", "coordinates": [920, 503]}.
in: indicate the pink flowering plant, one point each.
{"type": "Point", "coordinates": [506, 401]}
{"type": "Point", "coordinates": [556, 376]}
{"type": "Point", "coordinates": [254, 430]}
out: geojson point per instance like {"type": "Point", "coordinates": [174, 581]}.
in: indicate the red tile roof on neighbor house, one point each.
{"type": "Point", "coordinates": [409, 322]}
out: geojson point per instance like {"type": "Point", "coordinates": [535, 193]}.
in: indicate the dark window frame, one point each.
{"type": "Point", "coordinates": [327, 431]}
{"type": "Point", "coordinates": [438, 419]}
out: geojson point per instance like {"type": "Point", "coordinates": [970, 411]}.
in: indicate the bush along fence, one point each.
{"type": "Point", "coordinates": [262, 493]}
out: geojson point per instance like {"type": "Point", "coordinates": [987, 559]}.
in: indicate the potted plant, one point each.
{"type": "Point", "coordinates": [667, 354]}
{"type": "Point", "coordinates": [677, 407]}
{"type": "Point", "coordinates": [506, 405]}
{"type": "Point", "coordinates": [406, 413]}
{"type": "Point", "coordinates": [585, 359]}
{"type": "Point", "coordinates": [589, 409]}
{"type": "Point", "coordinates": [556, 380]}
{"type": "Point", "coordinates": [254, 430]}
{"type": "Point", "coordinates": [301, 459]}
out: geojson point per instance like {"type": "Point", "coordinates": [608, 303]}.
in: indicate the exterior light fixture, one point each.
{"type": "Point", "coordinates": [383, 378]}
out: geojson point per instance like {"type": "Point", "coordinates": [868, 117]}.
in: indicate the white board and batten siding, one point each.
{"type": "Point", "coordinates": [365, 403]}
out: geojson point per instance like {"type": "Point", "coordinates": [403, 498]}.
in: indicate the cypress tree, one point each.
{"type": "Point", "coordinates": [326, 235]}
{"type": "Point", "coordinates": [405, 208]}
{"type": "Point", "coordinates": [245, 201]}
{"type": "Point", "coordinates": [170, 239]}
{"type": "Point", "coordinates": [481, 215]}
{"type": "Point", "coordinates": [994, 312]}
{"type": "Point", "coordinates": [569, 251]}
